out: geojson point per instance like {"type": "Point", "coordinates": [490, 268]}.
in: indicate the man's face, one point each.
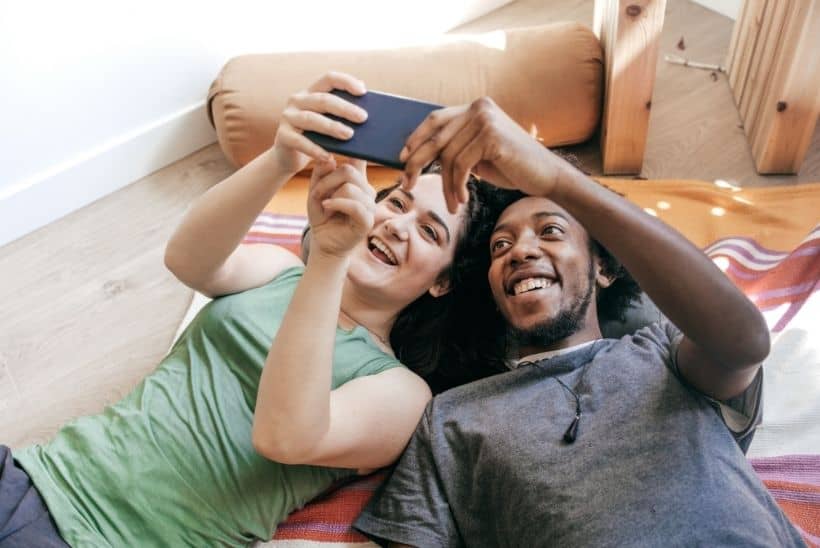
{"type": "Point", "coordinates": [541, 272]}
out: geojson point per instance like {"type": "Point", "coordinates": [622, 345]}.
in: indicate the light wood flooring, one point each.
{"type": "Point", "coordinates": [88, 308]}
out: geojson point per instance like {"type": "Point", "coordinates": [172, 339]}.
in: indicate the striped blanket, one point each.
{"type": "Point", "coordinates": [767, 241]}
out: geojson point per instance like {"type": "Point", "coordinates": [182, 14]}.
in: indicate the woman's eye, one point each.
{"type": "Point", "coordinates": [397, 203]}
{"type": "Point", "coordinates": [430, 231]}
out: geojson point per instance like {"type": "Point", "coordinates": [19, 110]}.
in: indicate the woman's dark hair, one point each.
{"type": "Point", "coordinates": [476, 335]}
{"type": "Point", "coordinates": [421, 337]}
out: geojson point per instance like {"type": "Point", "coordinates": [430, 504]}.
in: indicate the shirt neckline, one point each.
{"type": "Point", "coordinates": [540, 356]}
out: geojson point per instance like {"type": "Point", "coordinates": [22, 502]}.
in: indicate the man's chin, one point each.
{"type": "Point", "coordinates": [547, 331]}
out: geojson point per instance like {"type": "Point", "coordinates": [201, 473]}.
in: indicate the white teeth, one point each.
{"type": "Point", "coordinates": [380, 245]}
{"type": "Point", "coordinates": [531, 283]}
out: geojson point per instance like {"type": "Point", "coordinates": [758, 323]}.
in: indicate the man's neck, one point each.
{"type": "Point", "coordinates": [584, 335]}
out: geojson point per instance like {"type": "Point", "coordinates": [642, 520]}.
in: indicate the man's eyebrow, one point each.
{"type": "Point", "coordinates": [536, 216]}
{"type": "Point", "coordinates": [543, 214]}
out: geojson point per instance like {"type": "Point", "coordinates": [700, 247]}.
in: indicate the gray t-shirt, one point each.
{"type": "Point", "coordinates": [655, 462]}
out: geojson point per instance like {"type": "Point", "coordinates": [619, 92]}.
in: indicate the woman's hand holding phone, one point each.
{"type": "Point", "coordinates": [341, 206]}
{"type": "Point", "coordinates": [305, 111]}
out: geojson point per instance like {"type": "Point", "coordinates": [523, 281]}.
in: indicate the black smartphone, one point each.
{"type": "Point", "coordinates": [390, 121]}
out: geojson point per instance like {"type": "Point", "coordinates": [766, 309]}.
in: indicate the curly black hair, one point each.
{"type": "Point", "coordinates": [476, 335]}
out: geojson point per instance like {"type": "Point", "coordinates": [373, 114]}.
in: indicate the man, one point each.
{"type": "Point", "coordinates": [585, 441]}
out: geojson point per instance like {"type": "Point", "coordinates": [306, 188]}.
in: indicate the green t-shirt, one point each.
{"type": "Point", "coordinates": [173, 464]}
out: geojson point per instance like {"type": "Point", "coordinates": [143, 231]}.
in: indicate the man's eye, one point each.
{"type": "Point", "coordinates": [551, 229]}
{"type": "Point", "coordinates": [397, 203]}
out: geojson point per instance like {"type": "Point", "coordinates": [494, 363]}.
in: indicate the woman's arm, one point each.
{"type": "Point", "coordinates": [204, 252]}
{"type": "Point", "coordinates": [298, 419]}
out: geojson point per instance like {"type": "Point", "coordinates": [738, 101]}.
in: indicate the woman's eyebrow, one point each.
{"type": "Point", "coordinates": [437, 218]}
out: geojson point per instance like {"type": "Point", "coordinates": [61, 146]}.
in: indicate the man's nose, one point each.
{"type": "Point", "coordinates": [526, 248]}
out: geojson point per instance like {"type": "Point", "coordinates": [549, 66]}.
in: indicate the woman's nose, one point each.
{"type": "Point", "coordinates": [397, 227]}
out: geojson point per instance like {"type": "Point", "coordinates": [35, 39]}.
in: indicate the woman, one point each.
{"type": "Point", "coordinates": [285, 382]}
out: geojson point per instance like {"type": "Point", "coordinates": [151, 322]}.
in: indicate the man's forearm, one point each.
{"type": "Point", "coordinates": [690, 290]}
{"type": "Point", "coordinates": [218, 220]}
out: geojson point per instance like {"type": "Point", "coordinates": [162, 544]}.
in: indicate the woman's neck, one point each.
{"type": "Point", "coordinates": [376, 317]}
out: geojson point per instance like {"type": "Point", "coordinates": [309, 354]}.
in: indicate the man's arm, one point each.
{"type": "Point", "coordinates": [725, 336]}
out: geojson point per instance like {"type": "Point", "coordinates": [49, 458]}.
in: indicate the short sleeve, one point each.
{"type": "Point", "coordinates": [411, 507]}
{"type": "Point", "coordinates": [741, 414]}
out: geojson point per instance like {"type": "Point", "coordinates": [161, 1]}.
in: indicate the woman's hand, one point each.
{"type": "Point", "coordinates": [305, 111]}
{"type": "Point", "coordinates": [482, 138]}
{"type": "Point", "coordinates": [341, 205]}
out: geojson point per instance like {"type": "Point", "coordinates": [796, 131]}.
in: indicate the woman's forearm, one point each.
{"type": "Point", "coordinates": [218, 220]}
{"type": "Point", "coordinates": [293, 403]}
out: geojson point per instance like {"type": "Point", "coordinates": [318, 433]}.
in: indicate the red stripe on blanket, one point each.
{"type": "Point", "coordinates": [794, 483]}
{"type": "Point", "coordinates": [330, 517]}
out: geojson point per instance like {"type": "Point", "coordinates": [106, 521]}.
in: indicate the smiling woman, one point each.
{"type": "Point", "coordinates": [287, 366]}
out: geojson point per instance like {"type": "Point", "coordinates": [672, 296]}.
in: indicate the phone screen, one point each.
{"type": "Point", "coordinates": [390, 121]}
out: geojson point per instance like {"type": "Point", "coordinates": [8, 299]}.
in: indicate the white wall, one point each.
{"type": "Point", "coordinates": [729, 8]}
{"type": "Point", "coordinates": [95, 94]}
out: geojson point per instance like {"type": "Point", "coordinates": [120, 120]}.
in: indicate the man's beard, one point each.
{"type": "Point", "coordinates": [569, 320]}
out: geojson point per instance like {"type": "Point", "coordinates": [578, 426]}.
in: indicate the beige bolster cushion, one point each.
{"type": "Point", "coordinates": [548, 79]}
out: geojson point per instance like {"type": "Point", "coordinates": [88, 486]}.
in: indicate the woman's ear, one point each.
{"type": "Point", "coordinates": [441, 287]}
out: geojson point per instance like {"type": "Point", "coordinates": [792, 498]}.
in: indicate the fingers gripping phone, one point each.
{"type": "Point", "coordinates": [390, 121]}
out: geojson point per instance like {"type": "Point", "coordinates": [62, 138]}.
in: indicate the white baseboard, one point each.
{"type": "Point", "coordinates": [51, 194]}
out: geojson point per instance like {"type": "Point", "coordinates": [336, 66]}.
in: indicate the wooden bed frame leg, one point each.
{"type": "Point", "coordinates": [774, 73]}
{"type": "Point", "coordinates": [629, 31]}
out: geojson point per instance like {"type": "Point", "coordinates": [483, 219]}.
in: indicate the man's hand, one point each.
{"type": "Point", "coordinates": [481, 138]}
{"type": "Point", "coordinates": [341, 205]}
{"type": "Point", "coordinates": [306, 111]}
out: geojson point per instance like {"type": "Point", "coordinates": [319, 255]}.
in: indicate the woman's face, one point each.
{"type": "Point", "coordinates": [412, 241]}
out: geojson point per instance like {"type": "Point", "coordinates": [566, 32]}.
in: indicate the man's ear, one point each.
{"type": "Point", "coordinates": [441, 287]}
{"type": "Point", "coordinates": [602, 278]}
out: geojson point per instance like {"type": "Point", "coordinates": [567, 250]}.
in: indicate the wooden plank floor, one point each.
{"type": "Point", "coordinates": [89, 309]}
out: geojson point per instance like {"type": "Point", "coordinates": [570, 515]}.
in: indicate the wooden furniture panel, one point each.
{"type": "Point", "coordinates": [774, 74]}
{"type": "Point", "coordinates": [629, 32]}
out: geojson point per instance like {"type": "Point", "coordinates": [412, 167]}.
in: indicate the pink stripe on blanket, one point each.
{"type": "Point", "coordinates": [796, 468]}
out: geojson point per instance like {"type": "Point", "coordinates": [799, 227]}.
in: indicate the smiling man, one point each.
{"type": "Point", "coordinates": [585, 441]}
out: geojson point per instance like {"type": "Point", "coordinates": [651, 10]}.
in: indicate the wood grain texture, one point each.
{"type": "Point", "coordinates": [789, 110]}
{"type": "Point", "coordinates": [774, 75]}
{"type": "Point", "coordinates": [89, 307]}
{"type": "Point", "coordinates": [630, 31]}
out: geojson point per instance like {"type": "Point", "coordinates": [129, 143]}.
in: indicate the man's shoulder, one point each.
{"type": "Point", "coordinates": [477, 392]}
